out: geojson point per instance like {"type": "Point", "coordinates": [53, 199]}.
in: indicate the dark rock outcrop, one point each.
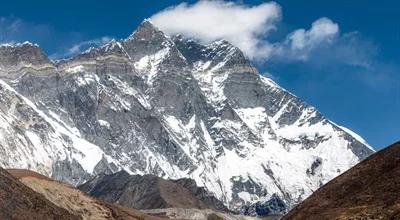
{"type": "Point", "coordinates": [202, 194]}
{"type": "Point", "coordinates": [150, 192]}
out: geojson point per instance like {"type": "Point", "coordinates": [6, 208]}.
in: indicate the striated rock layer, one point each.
{"type": "Point", "coordinates": [171, 107]}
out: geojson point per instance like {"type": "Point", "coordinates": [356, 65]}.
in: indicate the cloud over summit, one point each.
{"type": "Point", "coordinates": [242, 25]}
{"type": "Point", "coordinates": [246, 27]}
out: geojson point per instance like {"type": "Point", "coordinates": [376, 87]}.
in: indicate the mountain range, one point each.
{"type": "Point", "coordinates": [174, 108]}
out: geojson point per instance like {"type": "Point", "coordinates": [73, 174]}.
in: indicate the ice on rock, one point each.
{"type": "Point", "coordinates": [75, 69]}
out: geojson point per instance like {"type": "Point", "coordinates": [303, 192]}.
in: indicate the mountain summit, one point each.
{"type": "Point", "coordinates": [174, 108]}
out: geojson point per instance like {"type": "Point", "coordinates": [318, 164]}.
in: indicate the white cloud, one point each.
{"type": "Point", "coordinates": [300, 43]}
{"type": "Point", "coordinates": [244, 26]}
{"type": "Point", "coordinates": [321, 30]}
{"type": "Point", "coordinates": [323, 45]}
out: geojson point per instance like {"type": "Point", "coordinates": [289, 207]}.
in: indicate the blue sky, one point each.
{"type": "Point", "coordinates": [351, 74]}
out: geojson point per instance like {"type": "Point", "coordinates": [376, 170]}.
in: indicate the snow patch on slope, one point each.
{"type": "Point", "coordinates": [130, 91]}
{"type": "Point", "coordinates": [212, 84]}
{"type": "Point", "coordinates": [75, 69]}
{"type": "Point", "coordinates": [182, 134]}
{"type": "Point", "coordinates": [150, 63]}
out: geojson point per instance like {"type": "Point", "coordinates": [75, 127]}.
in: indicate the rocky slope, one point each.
{"type": "Point", "coordinates": [370, 190]}
{"type": "Point", "coordinates": [168, 106]}
{"type": "Point", "coordinates": [202, 214]}
{"type": "Point", "coordinates": [74, 201]}
{"type": "Point", "coordinates": [150, 192]}
{"type": "Point", "coordinates": [19, 202]}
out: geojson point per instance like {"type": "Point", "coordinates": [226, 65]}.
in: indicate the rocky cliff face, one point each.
{"type": "Point", "coordinates": [171, 107]}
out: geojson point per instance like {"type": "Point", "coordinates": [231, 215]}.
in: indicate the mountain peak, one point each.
{"type": "Point", "coordinates": [26, 53]}
{"type": "Point", "coordinates": [146, 29]}
{"type": "Point", "coordinates": [218, 53]}
{"type": "Point", "coordinates": [147, 39]}
{"type": "Point", "coordinates": [148, 23]}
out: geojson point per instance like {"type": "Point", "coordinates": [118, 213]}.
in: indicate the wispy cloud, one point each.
{"type": "Point", "coordinates": [323, 44]}
{"type": "Point", "coordinates": [80, 47]}
{"type": "Point", "coordinates": [342, 55]}
{"type": "Point", "coordinates": [16, 30]}
{"type": "Point", "coordinates": [8, 28]}
{"type": "Point", "coordinates": [59, 44]}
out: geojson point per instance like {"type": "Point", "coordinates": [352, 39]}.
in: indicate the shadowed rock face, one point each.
{"type": "Point", "coordinates": [173, 108]}
{"type": "Point", "coordinates": [201, 194]}
{"type": "Point", "coordinates": [18, 201]}
{"type": "Point", "coordinates": [369, 190]}
{"type": "Point", "coordinates": [150, 192]}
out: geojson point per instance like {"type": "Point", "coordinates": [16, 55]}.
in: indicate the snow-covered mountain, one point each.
{"type": "Point", "coordinates": [168, 106]}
